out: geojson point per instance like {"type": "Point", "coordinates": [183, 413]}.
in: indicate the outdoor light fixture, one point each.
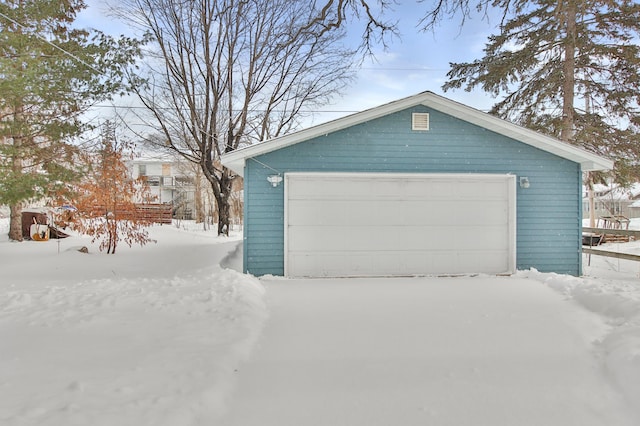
{"type": "Point", "coordinates": [274, 180]}
{"type": "Point", "coordinates": [524, 182]}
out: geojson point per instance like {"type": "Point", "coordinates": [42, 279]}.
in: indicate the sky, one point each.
{"type": "Point", "coordinates": [413, 62]}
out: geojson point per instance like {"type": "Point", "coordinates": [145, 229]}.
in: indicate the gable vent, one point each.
{"type": "Point", "coordinates": [420, 121]}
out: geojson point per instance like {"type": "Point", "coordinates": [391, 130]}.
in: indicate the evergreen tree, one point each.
{"type": "Point", "coordinates": [50, 74]}
{"type": "Point", "coordinates": [567, 68]}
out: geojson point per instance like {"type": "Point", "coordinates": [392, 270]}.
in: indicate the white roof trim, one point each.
{"type": "Point", "coordinates": [235, 160]}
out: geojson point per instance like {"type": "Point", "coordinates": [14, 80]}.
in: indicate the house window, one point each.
{"type": "Point", "coordinates": [184, 181]}
{"type": "Point", "coordinates": [153, 180]}
{"type": "Point", "coordinates": [142, 169]}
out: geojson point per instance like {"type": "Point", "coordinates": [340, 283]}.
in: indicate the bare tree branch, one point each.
{"type": "Point", "coordinates": [235, 72]}
{"type": "Point", "coordinates": [462, 10]}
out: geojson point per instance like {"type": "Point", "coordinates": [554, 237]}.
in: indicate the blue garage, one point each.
{"type": "Point", "coordinates": [420, 186]}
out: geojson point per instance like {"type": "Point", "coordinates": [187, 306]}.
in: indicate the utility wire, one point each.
{"type": "Point", "coordinates": [142, 107]}
{"type": "Point", "coordinates": [402, 69]}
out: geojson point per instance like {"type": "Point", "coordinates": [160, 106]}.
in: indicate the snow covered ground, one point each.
{"type": "Point", "coordinates": [444, 351]}
{"type": "Point", "coordinates": [148, 336]}
{"type": "Point", "coordinates": [161, 335]}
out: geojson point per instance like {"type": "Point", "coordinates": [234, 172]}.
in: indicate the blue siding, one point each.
{"type": "Point", "coordinates": [548, 213]}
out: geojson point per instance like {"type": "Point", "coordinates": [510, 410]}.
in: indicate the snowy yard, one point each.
{"type": "Point", "coordinates": [164, 335]}
{"type": "Point", "coordinates": [148, 336]}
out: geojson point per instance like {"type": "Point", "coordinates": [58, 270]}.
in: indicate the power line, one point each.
{"type": "Point", "coordinates": [131, 107]}
{"type": "Point", "coordinates": [402, 69]}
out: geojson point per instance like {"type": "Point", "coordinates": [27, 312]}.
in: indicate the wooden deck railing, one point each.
{"type": "Point", "coordinates": [608, 253]}
{"type": "Point", "coordinates": [609, 231]}
{"type": "Point", "coordinates": [156, 213]}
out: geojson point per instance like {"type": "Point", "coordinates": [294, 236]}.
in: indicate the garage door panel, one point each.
{"type": "Point", "coordinates": [359, 264]}
{"type": "Point", "coordinates": [464, 262]}
{"type": "Point", "coordinates": [402, 263]}
{"type": "Point", "coordinates": [346, 239]}
{"type": "Point", "coordinates": [341, 190]}
{"type": "Point", "coordinates": [398, 212]}
{"type": "Point", "coordinates": [410, 188]}
{"type": "Point", "coordinates": [309, 238]}
{"type": "Point", "coordinates": [331, 264]}
{"type": "Point", "coordinates": [383, 189]}
{"type": "Point", "coordinates": [488, 238]}
{"type": "Point", "coordinates": [345, 212]}
{"type": "Point", "coordinates": [386, 224]}
{"type": "Point", "coordinates": [392, 238]}
{"type": "Point", "coordinates": [486, 191]}
{"type": "Point", "coordinates": [488, 212]}
{"type": "Point", "coordinates": [456, 212]}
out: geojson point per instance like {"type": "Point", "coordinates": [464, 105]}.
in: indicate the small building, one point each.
{"type": "Point", "coordinates": [170, 182]}
{"type": "Point", "coordinates": [420, 186]}
{"type": "Point", "coordinates": [613, 200]}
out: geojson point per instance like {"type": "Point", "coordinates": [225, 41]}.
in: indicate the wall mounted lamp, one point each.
{"type": "Point", "coordinates": [274, 180]}
{"type": "Point", "coordinates": [524, 182]}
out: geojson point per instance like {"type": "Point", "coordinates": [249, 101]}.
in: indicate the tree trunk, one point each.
{"type": "Point", "coordinates": [223, 202]}
{"type": "Point", "coordinates": [198, 201]}
{"type": "Point", "coordinates": [592, 201]}
{"type": "Point", "coordinates": [569, 15]}
{"type": "Point", "coordinates": [223, 217]}
{"type": "Point", "coordinates": [15, 222]}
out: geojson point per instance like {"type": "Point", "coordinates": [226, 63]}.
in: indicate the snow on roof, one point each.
{"type": "Point", "coordinates": [615, 192]}
{"type": "Point", "coordinates": [634, 190]}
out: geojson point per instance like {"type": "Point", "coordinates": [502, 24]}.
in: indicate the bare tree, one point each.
{"type": "Point", "coordinates": [228, 73]}
{"type": "Point", "coordinates": [106, 197]}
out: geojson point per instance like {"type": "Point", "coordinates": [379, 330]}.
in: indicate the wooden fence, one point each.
{"type": "Point", "coordinates": [156, 213]}
{"type": "Point", "coordinates": [615, 233]}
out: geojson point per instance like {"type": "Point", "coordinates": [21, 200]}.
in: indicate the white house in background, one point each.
{"type": "Point", "coordinates": [170, 181]}
{"type": "Point", "coordinates": [613, 200]}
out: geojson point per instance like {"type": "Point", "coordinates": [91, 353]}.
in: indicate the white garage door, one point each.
{"type": "Point", "coordinates": [353, 224]}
